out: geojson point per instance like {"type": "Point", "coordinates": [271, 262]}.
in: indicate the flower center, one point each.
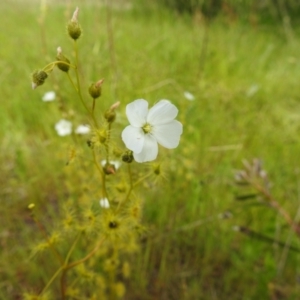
{"type": "Point", "coordinates": [147, 128]}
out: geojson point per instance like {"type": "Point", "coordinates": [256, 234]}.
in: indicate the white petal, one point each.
{"type": "Point", "coordinates": [63, 127]}
{"type": "Point", "coordinates": [136, 112]}
{"type": "Point", "coordinates": [162, 112]}
{"type": "Point", "coordinates": [49, 96]}
{"type": "Point", "coordinates": [82, 129]}
{"type": "Point", "coordinates": [189, 96]}
{"type": "Point", "coordinates": [133, 138]}
{"type": "Point", "coordinates": [104, 203]}
{"type": "Point", "coordinates": [149, 151]}
{"type": "Point", "coordinates": [168, 135]}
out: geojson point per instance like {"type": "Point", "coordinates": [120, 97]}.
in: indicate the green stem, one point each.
{"type": "Point", "coordinates": [141, 179]}
{"type": "Point", "coordinates": [52, 279]}
{"type": "Point", "coordinates": [107, 143]}
{"type": "Point", "coordinates": [50, 67]}
{"type": "Point", "coordinates": [78, 89]}
{"type": "Point", "coordinates": [53, 249]}
{"type": "Point", "coordinates": [99, 168]}
{"type": "Point", "coordinates": [62, 267]}
{"type": "Point", "coordinates": [75, 263]}
{"type": "Point", "coordinates": [133, 185]}
{"type": "Point", "coordinates": [72, 82]}
{"type": "Point", "coordinates": [64, 271]}
{"type": "Point", "coordinates": [273, 203]}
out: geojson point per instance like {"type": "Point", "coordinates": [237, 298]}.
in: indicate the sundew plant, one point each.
{"type": "Point", "coordinates": [99, 223]}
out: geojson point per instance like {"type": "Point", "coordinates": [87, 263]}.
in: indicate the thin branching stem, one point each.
{"type": "Point", "coordinates": [50, 66]}
{"type": "Point", "coordinates": [107, 142]}
{"type": "Point", "coordinates": [78, 89]}
{"type": "Point", "coordinates": [102, 174]}
{"type": "Point", "coordinates": [133, 185]}
{"type": "Point", "coordinates": [80, 261]}
{"type": "Point", "coordinates": [52, 248]}
{"type": "Point", "coordinates": [272, 201]}
{"type": "Point", "coordinates": [64, 271]}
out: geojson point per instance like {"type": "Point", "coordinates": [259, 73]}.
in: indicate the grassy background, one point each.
{"type": "Point", "coordinates": [245, 82]}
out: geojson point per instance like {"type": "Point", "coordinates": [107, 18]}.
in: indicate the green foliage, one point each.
{"type": "Point", "coordinates": [252, 11]}
{"type": "Point", "coordinates": [245, 82]}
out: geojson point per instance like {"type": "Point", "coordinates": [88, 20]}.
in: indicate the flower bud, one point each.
{"type": "Point", "coordinates": [64, 66]}
{"type": "Point", "coordinates": [95, 89]}
{"type": "Point", "coordinates": [73, 27]}
{"type": "Point", "coordinates": [110, 114]}
{"type": "Point", "coordinates": [127, 156]}
{"type": "Point", "coordinates": [38, 78]}
{"type": "Point", "coordinates": [109, 168]}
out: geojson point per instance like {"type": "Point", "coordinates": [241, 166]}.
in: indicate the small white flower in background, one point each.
{"type": "Point", "coordinates": [148, 128]}
{"type": "Point", "coordinates": [63, 127]}
{"type": "Point", "coordinates": [253, 89]}
{"type": "Point", "coordinates": [49, 96]}
{"type": "Point", "coordinates": [116, 163]}
{"type": "Point", "coordinates": [189, 96]}
{"type": "Point", "coordinates": [83, 129]}
{"type": "Point", "coordinates": [104, 203]}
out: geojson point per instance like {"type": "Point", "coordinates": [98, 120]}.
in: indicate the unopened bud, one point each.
{"type": "Point", "coordinates": [127, 156]}
{"type": "Point", "coordinates": [109, 168]}
{"type": "Point", "coordinates": [75, 15]}
{"type": "Point", "coordinates": [115, 105]}
{"type": "Point", "coordinates": [64, 66]}
{"type": "Point", "coordinates": [38, 78]}
{"type": "Point", "coordinates": [110, 114]}
{"type": "Point", "coordinates": [95, 89]}
{"type": "Point", "coordinates": [73, 27]}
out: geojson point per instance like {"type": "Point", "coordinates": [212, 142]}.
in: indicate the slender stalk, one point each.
{"type": "Point", "coordinates": [62, 267]}
{"type": "Point", "coordinates": [133, 185]}
{"type": "Point", "coordinates": [72, 82]}
{"type": "Point", "coordinates": [43, 231]}
{"type": "Point", "coordinates": [99, 168]}
{"type": "Point", "coordinates": [52, 279]}
{"type": "Point", "coordinates": [64, 271]}
{"type": "Point", "coordinates": [50, 67]}
{"type": "Point", "coordinates": [276, 206]}
{"type": "Point", "coordinates": [78, 89]}
{"type": "Point", "coordinates": [75, 263]}
{"type": "Point", "coordinates": [107, 142]}
{"type": "Point", "coordinates": [141, 180]}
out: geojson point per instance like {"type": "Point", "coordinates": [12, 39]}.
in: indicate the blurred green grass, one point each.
{"type": "Point", "coordinates": [245, 83]}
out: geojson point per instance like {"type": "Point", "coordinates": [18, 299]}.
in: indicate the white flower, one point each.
{"type": "Point", "coordinates": [148, 128]}
{"type": "Point", "coordinates": [63, 127]}
{"type": "Point", "coordinates": [83, 129]}
{"type": "Point", "coordinates": [116, 163]}
{"type": "Point", "coordinates": [49, 96]}
{"type": "Point", "coordinates": [189, 96]}
{"type": "Point", "coordinates": [104, 203]}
